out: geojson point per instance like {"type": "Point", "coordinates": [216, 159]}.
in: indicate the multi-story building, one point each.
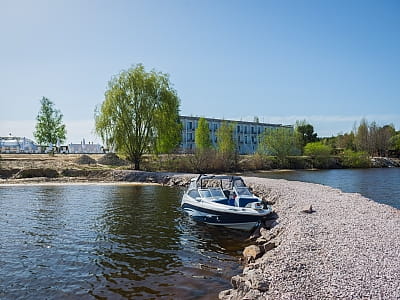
{"type": "Point", "coordinates": [246, 134]}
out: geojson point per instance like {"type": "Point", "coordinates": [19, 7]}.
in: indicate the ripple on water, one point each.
{"type": "Point", "coordinates": [117, 242]}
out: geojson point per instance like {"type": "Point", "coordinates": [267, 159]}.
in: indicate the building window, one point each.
{"type": "Point", "coordinates": [190, 125]}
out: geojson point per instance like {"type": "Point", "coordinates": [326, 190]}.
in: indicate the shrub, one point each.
{"type": "Point", "coordinates": [317, 149]}
{"type": "Point", "coordinates": [319, 153]}
{"type": "Point", "coordinates": [353, 159]}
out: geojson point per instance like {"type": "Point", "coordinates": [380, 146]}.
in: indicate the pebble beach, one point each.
{"type": "Point", "coordinates": [347, 248]}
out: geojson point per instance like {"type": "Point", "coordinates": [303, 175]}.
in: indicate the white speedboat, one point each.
{"type": "Point", "coordinates": [223, 200]}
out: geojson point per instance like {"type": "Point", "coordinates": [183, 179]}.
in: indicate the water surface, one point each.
{"type": "Point", "coordinates": [381, 184]}
{"type": "Point", "coordinates": [109, 242]}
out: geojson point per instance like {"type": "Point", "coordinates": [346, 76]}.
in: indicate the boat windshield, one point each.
{"type": "Point", "coordinates": [217, 192]}
{"type": "Point", "coordinates": [205, 193]}
{"type": "Point", "coordinates": [243, 191]}
{"type": "Point", "coordinates": [239, 183]}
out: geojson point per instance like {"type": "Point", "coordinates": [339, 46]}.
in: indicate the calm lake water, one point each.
{"type": "Point", "coordinates": [381, 184]}
{"type": "Point", "coordinates": [109, 242]}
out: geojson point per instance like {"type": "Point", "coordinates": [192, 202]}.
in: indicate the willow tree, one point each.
{"type": "Point", "coordinates": [140, 114]}
{"type": "Point", "coordinates": [49, 126]}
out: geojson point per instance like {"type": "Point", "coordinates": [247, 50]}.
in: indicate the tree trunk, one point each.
{"type": "Point", "coordinates": [136, 161]}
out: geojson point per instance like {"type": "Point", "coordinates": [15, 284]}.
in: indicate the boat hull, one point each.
{"type": "Point", "coordinates": [238, 219]}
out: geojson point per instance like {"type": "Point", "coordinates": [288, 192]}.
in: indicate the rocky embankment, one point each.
{"type": "Point", "coordinates": [385, 162]}
{"type": "Point", "coordinates": [346, 247]}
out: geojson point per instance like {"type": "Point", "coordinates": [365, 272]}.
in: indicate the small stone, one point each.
{"type": "Point", "coordinates": [309, 210]}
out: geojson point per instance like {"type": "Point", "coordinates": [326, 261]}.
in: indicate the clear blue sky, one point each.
{"type": "Point", "coordinates": [329, 62]}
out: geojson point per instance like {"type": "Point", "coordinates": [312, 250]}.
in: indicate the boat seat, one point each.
{"type": "Point", "coordinates": [242, 202]}
{"type": "Point", "coordinates": [222, 201]}
{"type": "Point", "coordinates": [226, 193]}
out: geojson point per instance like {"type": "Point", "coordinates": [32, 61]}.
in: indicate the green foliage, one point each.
{"type": "Point", "coordinates": [362, 136]}
{"type": "Point", "coordinates": [140, 114]}
{"type": "Point", "coordinates": [319, 153]}
{"type": "Point", "coordinates": [167, 125]}
{"type": "Point", "coordinates": [49, 126]}
{"type": "Point", "coordinates": [353, 159]}
{"type": "Point", "coordinates": [202, 136]}
{"type": "Point", "coordinates": [305, 133]}
{"type": "Point", "coordinates": [395, 142]}
{"type": "Point", "coordinates": [280, 142]}
{"type": "Point", "coordinates": [346, 141]}
{"type": "Point", "coordinates": [227, 146]}
{"type": "Point", "coordinates": [226, 139]}
{"type": "Point", "coordinates": [317, 149]}
{"type": "Point", "coordinates": [373, 139]}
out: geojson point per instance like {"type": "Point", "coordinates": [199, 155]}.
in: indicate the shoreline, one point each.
{"type": "Point", "coordinates": [347, 248]}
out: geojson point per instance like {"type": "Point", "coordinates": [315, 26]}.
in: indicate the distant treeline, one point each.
{"type": "Point", "coordinates": [300, 148]}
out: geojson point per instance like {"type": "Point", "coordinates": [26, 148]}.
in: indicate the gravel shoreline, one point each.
{"type": "Point", "coordinates": [347, 249]}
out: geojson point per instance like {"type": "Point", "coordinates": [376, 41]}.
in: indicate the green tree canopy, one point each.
{"type": "Point", "coordinates": [227, 145]}
{"type": "Point", "coordinates": [226, 140]}
{"type": "Point", "coordinates": [202, 136]}
{"type": "Point", "coordinates": [395, 142]}
{"type": "Point", "coordinates": [346, 141]}
{"type": "Point", "coordinates": [49, 126]}
{"type": "Point", "coordinates": [305, 133]}
{"type": "Point", "coordinates": [140, 114]}
{"type": "Point", "coordinates": [317, 149]}
{"type": "Point", "coordinates": [280, 142]}
{"type": "Point", "coordinates": [373, 139]}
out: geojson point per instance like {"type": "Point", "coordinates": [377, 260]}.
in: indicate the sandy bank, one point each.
{"type": "Point", "coordinates": [347, 249]}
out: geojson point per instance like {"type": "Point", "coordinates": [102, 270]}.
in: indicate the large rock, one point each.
{"type": "Point", "coordinates": [251, 253]}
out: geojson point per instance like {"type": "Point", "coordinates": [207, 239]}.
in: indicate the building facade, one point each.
{"type": "Point", "coordinates": [247, 134]}
{"type": "Point", "coordinates": [14, 144]}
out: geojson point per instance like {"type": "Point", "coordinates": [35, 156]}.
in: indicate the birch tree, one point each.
{"type": "Point", "coordinates": [49, 126]}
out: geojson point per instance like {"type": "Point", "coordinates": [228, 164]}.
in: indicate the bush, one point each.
{"type": "Point", "coordinates": [317, 149]}
{"type": "Point", "coordinates": [353, 159]}
{"type": "Point", "coordinates": [319, 153]}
